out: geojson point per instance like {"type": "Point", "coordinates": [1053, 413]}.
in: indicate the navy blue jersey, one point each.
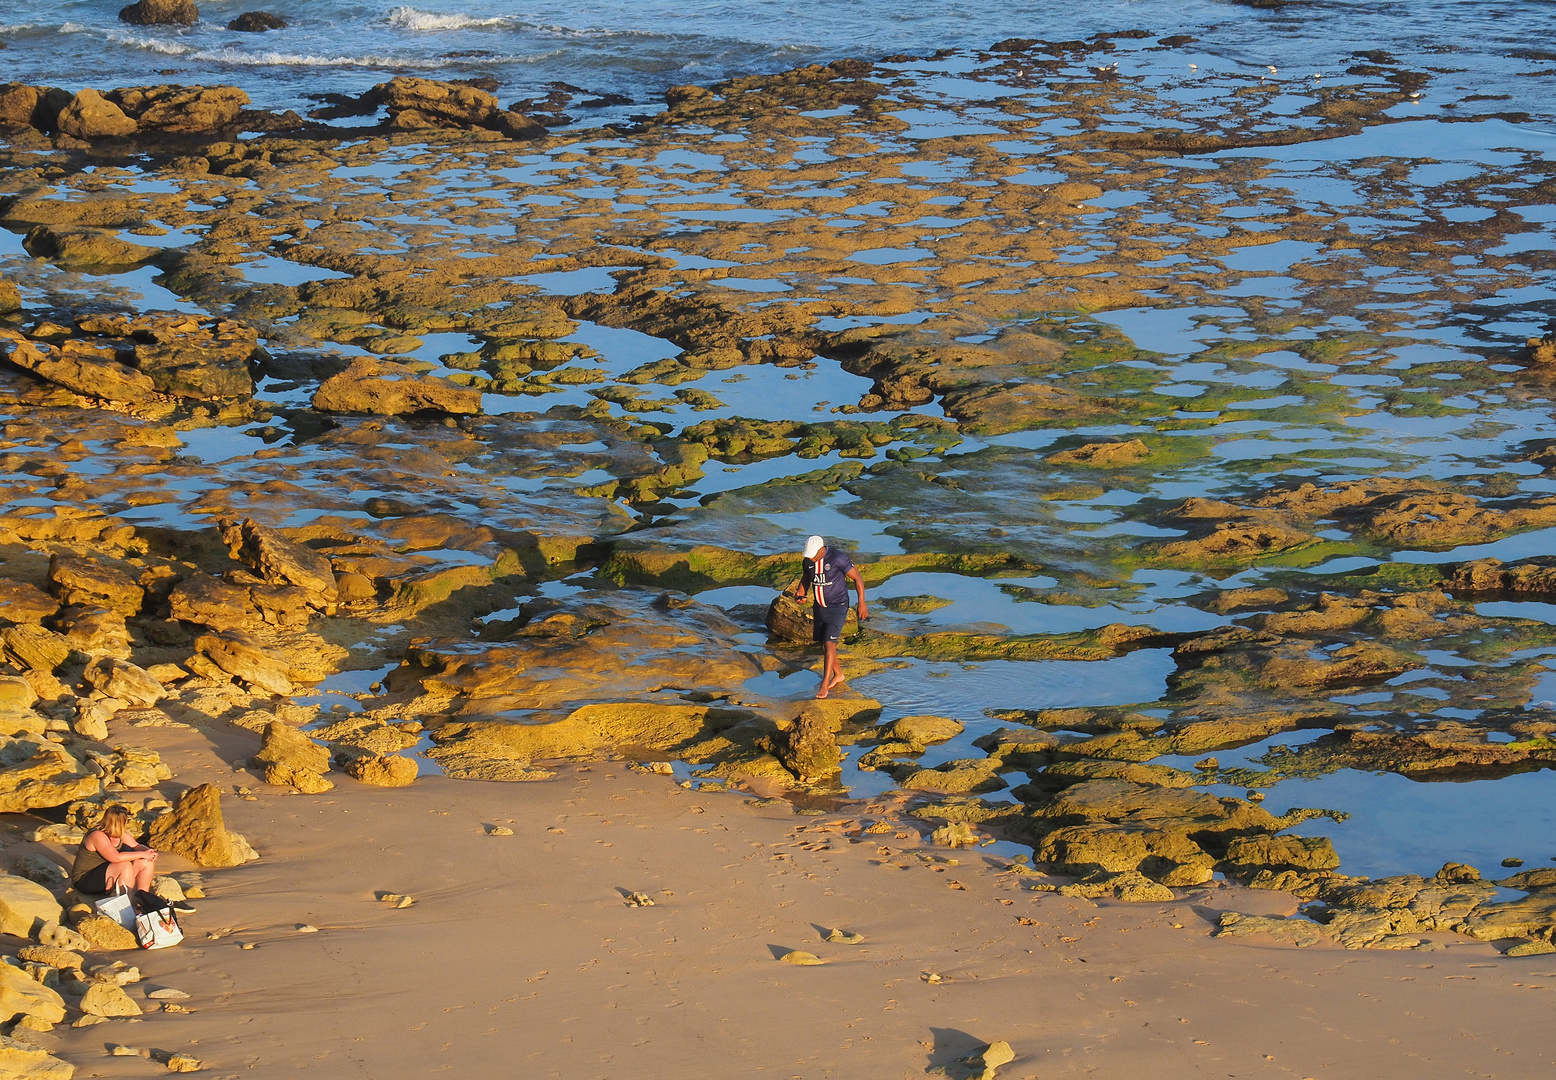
{"type": "Point", "coordinates": [826, 580]}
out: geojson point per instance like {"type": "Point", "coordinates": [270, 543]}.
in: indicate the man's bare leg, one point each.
{"type": "Point", "coordinates": [831, 675]}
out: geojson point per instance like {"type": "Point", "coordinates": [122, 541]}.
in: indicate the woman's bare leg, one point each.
{"type": "Point", "coordinates": [120, 874]}
{"type": "Point", "coordinates": [145, 874]}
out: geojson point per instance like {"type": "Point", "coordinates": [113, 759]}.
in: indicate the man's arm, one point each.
{"type": "Point", "coordinates": [853, 573]}
{"type": "Point", "coordinates": [807, 572]}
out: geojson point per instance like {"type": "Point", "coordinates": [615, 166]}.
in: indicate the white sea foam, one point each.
{"type": "Point", "coordinates": [409, 18]}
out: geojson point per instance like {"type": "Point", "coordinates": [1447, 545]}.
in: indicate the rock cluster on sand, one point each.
{"type": "Point", "coordinates": [291, 759]}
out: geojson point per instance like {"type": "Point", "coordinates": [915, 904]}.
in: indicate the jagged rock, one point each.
{"type": "Point", "coordinates": [106, 999]}
{"type": "Point", "coordinates": [83, 581]}
{"type": "Point", "coordinates": [25, 906]}
{"type": "Point", "coordinates": [200, 360]}
{"type": "Point", "coordinates": [1103, 455]}
{"type": "Point", "coordinates": [23, 603]}
{"type": "Point", "coordinates": [24, 1061]}
{"type": "Point", "coordinates": [89, 375]}
{"type": "Point", "coordinates": [978, 1065]}
{"type": "Point", "coordinates": [104, 935]}
{"type": "Point", "coordinates": [84, 248]}
{"type": "Point", "coordinates": [195, 830]}
{"type": "Point", "coordinates": [1282, 853]}
{"type": "Point", "coordinates": [291, 759]}
{"type": "Point", "coordinates": [133, 685]}
{"type": "Point", "coordinates": [33, 648]}
{"type": "Point", "coordinates": [1362, 914]}
{"type": "Point", "coordinates": [240, 656]}
{"type": "Point", "coordinates": [52, 955]}
{"type": "Point", "coordinates": [388, 770]}
{"type": "Point", "coordinates": [55, 936]}
{"type": "Point", "coordinates": [257, 22]}
{"type": "Point", "coordinates": [41, 869]}
{"type": "Point", "coordinates": [90, 116]}
{"type": "Point", "coordinates": [161, 13]}
{"type": "Point", "coordinates": [374, 387]}
{"type": "Point", "coordinates": [182, 109]}
{"type": "Point", "coordinates": [15, 693]}
{"type": "Point", "coordinates": [37, 773]}
{"type": "Point", "coordinates": [279, 561]}
{"type": "Point", "coordinates": [433, 103]}
{"type": "Point", "coordinates": [963, 776]}
{"type": "Point", "coordinates": [809, 748]}
{"type": "Point", "coordinates": [1299, 932]}
{"type": "Point", "coordinates": [221, 605]}
{"type": "Point", "coordinates": [95, 631]}
{"type": "Point", "coordinates": [1129, 885]}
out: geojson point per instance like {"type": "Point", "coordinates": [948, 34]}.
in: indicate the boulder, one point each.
{"type": "Point", "coordinates": [37, 773]}
{"type": "Point", "coordinates": [257, 22]}
{"type": "Point", "coordinates": [434, 104]}
{"type": "Point", "coordinates": [15, 694]}
{"type": "Point", "coordinates": [39, 868]}
{"type": "Point", "coordinates": [78, 580]}
{"type": "Point", "coordinates": [135, 686]}
{"type": "Point", "coordinates": [102, 934]}
{"type": "Point", "coordinates": [809, 748]}
{"type": "Point", "coordinates": [199, 360]}
{"type": "Point", "coordinates": [160, 13]}
{"type": "Point", "coordinates": [105, 380]}
{"type": "Point", "coordinates": [25, 906]}
{"type": "Point", "coordinates": [221, 605]}
{"type": "Point", "coordinates": [920, 730]}
{"type": "Point", "coordinates": [280, 561]}
{"type": "Point", "coordinates": [379, 388]}
{"type": "Point", "coordinates": [22, 995]}
{"type": "Point", "coordinates": [181, 109]}
{"type": "Point", "coordinates": [106, 999]}
{"type": "Point", "coordinates": [24, 1061]}
{"type": "Point", "coordinates": [90, 116]}
{"type": "Point", "coordinates": [240, 656]}
{"type": "Point", "coordinates": [195, 830]}
{"type": "Point", "coordinates": [81, 248]}
{"type": "Point", "coordinates": [1282, 853]}
{"type": "Point", "coordinates": [52, 955]}
{"type": "Point", "coordinates": [789, 619]}
{"type": "Point", "coordinates": [95, 631]}
{"type": "Point", "coordinates": [33, 648]}
{"type": "Point", "coordinates": [383, 770]}
{"type": "Point", "coordinates": [18, 104]}
{"type": "Point", "coordinates": [291, 759]}
{"type": "Point", "coordinates": [23, 603]}
{"type": "Point", "coordinates": [55, 936]}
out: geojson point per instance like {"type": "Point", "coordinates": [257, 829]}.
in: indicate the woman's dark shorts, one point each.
{"type": "Point", "coordinates": [94, 880]}
{"type": "Point", "coordinates": [829, 622]}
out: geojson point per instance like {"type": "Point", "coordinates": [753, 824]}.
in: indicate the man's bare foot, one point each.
{"type": "Point", "coordinates": [835, 683]}
{"type": "Point", "coordinates": [823, 691]}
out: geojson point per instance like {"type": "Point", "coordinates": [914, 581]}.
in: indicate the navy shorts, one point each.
{"type": "Point", "coordinates": [829, 621]}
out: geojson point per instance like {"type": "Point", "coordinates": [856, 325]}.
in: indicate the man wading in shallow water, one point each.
{"type": "Point", "coordinates": [823, 578]}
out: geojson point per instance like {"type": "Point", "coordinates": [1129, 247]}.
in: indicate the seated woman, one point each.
{"type": "Point", "coordinates": [109, 857]}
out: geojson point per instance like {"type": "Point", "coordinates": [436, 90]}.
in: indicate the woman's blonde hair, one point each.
{"type": "Point", "coordinates": [116, 820]}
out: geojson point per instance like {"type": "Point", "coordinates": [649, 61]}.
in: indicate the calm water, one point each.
{"type": "Point", "coordinates": [638, 47]}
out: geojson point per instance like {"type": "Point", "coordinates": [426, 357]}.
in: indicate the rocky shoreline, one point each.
{"type": "Point", "coordinates": [211, 514]}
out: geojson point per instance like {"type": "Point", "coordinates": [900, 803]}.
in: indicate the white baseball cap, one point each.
{"type": "Point", "coordinates": [813, 545]}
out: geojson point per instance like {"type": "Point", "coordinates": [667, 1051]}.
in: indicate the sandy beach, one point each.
{"type": "Point", "coordinates": [521, 953]}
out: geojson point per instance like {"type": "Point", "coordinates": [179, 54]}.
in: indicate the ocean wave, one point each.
{"type": "Point", "coordinates": [409, 18]}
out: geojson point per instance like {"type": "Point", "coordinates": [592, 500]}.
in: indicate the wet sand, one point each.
{"type": "Point", "coordinates": [522, 957]}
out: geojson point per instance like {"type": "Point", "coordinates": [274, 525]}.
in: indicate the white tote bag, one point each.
{"type": "Point", "coordinates": [158, 929]}
{"type": "Point", "coordinates": [118, 908]}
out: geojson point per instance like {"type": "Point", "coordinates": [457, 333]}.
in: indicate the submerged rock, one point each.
{"type": "Point", "coordinates": [375, 387]}
{"type": "Point", "coordinates": [161, 13]}
{"type": "Point", "coordinates": [257, 22]}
